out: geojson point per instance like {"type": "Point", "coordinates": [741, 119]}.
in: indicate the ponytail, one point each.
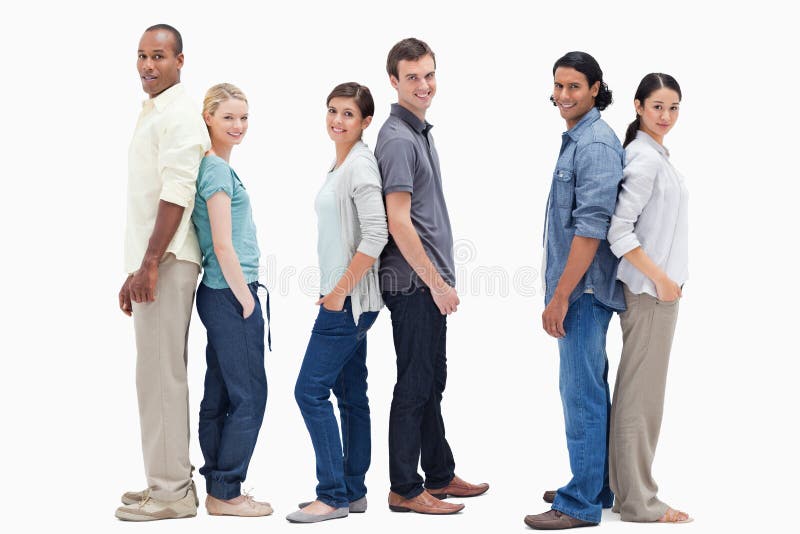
{"type": "Point", "coordinates": [630, 133]}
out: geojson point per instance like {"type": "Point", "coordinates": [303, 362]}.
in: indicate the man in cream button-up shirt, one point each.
{"type": "Point", "coordinates": [164, 156]}
{"type": "Point", "coordinates": [162, 259]}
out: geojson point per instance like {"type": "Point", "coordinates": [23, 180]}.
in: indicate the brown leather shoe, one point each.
{"type": "Point", "coordinates": [549, 496]}
{"type": "Point", "coordinates": [424, 503]}
{"type": "Point", "coordinates": [555, 520]}
{"type": "Point", "coordinates": [460, 488]}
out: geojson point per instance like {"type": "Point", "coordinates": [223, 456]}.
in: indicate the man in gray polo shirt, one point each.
{"type": "Point", "coordinates": [417, 279]}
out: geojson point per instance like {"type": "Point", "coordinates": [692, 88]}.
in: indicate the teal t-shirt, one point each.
{"type": "Point", "coordinates": [216, 175]}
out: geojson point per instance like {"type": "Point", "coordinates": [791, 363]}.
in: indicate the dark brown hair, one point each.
{"type": "Point", "coordinates": [649, 84]}
{"type": "Point", "coordinates": [410, 49]}
{"type": "Point", "coordinates": [359, 93]}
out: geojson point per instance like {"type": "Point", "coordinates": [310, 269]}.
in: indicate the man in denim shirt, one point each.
{"type": "Point", "coordinates": [581, 288]}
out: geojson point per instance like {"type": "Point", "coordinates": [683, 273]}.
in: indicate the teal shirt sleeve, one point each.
{"type": "Point", "coordinates": [215, 177]}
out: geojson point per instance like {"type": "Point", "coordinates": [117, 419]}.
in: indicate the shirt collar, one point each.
{"type": "Point", "coordinates": [164, 99]}
{"type": "Point", "coordinates": [422, 127]}
{"type": "Point", "coordinates": [645, 137]}
{"type": "Point", "coordinates": [587, 120]}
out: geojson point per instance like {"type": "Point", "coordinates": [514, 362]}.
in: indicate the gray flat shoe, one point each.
{"type": "Point", "coordinates": [359, 506]}
{"type": "Point", "coordinates": [302, 517]}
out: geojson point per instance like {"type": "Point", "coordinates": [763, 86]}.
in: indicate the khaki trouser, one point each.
{"type": "Point", "coordinates": [162, 329]}
{"type": "Point", "coordinates": [648, 325]}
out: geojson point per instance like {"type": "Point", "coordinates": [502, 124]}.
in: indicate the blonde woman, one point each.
{"type": "Point", "coordinates": [235, 393]}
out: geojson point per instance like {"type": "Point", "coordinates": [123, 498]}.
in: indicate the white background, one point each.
{"type": "Point", "coordinates": [71, 95]}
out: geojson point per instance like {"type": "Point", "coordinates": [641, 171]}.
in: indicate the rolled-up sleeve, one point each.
{"type": "Point", "coordinates": [180, 149]}
{"type": "Point", "coordinates": [397, 162]}
{"type": "Point", "coordinates": [638, 180]}
{"type": "Point", "coordinates": [368, 199]}
{"type": "Point", "coordinates": [598, 170]}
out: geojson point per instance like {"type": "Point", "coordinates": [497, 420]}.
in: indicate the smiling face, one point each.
{"type": "Point", "coordinates": [344, 121]}
{"type": "Point", "coordinates": [659, 113]}
{"type": "Point", "coordinates": [228, 125]}
{"type": "Point", "coordinates": [573, 95]}
{"type": "Point", "coordinates": [158, 65]}
{"type": "Point", "coordinates": [416, 84]}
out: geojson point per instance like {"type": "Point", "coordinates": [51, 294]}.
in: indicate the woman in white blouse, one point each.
{"type": "Point", "coordinates": [649, 231]}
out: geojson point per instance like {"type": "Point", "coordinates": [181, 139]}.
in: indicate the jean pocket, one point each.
{"type": "Point", "coordinates": [323, 309]}
{"type": "Point", "coordinates": [564, 187]}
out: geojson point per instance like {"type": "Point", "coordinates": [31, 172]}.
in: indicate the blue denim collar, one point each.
{"type": "Point", "coordinates": [587, 120]}
{"type": "Point", "coordinates": [422, 127]}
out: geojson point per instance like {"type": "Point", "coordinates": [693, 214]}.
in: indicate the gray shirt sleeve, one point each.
{"type": "Point", "coordinates": [397, 162]}
{"type": "Point", "coordinates": [365, 190]}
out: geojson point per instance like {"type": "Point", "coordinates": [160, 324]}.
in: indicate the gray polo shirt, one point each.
{"type": "Point", "coordinates": [408, 161]}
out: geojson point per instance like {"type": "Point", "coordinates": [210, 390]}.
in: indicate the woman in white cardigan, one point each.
{"type": "Point", "coordinates": [649, 231]}
{"type": "Point", "coordinates": [352, 233]}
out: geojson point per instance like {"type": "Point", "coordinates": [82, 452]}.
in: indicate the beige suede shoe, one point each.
{"type": "Point", "coordinates": [247, 507]}
{"type": "Point", "coordinates": [149, 509]}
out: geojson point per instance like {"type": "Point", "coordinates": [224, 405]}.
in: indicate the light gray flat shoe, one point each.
{"type": "Point", "coordinates": [302, 517]}
{"type": "Point", "coordinates": [359, 506]}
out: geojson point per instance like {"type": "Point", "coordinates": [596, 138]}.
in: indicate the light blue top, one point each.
{"type": "Point", "coordinates": [583, 193]}
{"type": "Point", "coordinates": [333, 259]}
{"type": "Point", "coordinates": [216, 175]}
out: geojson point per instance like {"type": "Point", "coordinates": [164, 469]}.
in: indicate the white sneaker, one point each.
{"type": "Point", "coordinates": [149, 509]}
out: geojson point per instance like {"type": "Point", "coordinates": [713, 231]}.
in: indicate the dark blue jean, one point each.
{"type": "Point", "coordinates": [583, 382]}
{"type": "Point", "coordinates": [416, 427]}
{"type": "Point", "coordinates": [235, 393]}
{"type": "Point", "coordinates": [336, 360]}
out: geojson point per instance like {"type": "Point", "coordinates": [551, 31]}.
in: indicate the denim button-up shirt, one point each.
{"type": "Point", "coordinates": [582, 197]}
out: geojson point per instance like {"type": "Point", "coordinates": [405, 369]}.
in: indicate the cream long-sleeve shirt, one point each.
{"type": "Point", "coordinates": [168, 144]}
{"type": "Point", "coordinates": [652, 212]}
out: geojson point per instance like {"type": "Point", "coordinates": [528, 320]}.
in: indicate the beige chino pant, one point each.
{"type": "Point", "coordinates": [162, 329]}
{"type": "Point", "coordinates": [648, 326]}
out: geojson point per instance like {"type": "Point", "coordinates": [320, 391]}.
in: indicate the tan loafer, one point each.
{"type": "Point", "coordinates": [424, 503]}
{"type": "Point", "coordinates": [460, 488]}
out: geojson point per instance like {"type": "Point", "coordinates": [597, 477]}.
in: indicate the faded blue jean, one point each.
{"type": "Point", "coordinates": [235, 393]}
{"type": "Point", "coordinates": [336, 360]}
{"type": "Point", "coordinates": [583, 383]}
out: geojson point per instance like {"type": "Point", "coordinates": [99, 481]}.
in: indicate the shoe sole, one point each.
{"type": "Point", "coordinates": [403, 509]}
{"type": "Point", "coordinates": [218, 514]}
{"type": "Point", "coordinates": [557, 526]}
{"type": "Point", "coordinates": [441, 496]}
{"type": "Point", "coordinates": [124, 516]}
{"type": "Point", "coordinates": [359, 511]}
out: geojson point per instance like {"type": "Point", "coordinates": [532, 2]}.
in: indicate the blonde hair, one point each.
{"type": "Point", "coordinates": [220, 93]}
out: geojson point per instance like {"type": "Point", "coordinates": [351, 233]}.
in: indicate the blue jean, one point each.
{"type": "Point", "coordinates": [416, 427]}
{"type": "Point", "coordinates": [235, 394]}
{"type": "Point", "coordinates": [336, 360]}
{"type": "Point", "coordinates": [583, 382]}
